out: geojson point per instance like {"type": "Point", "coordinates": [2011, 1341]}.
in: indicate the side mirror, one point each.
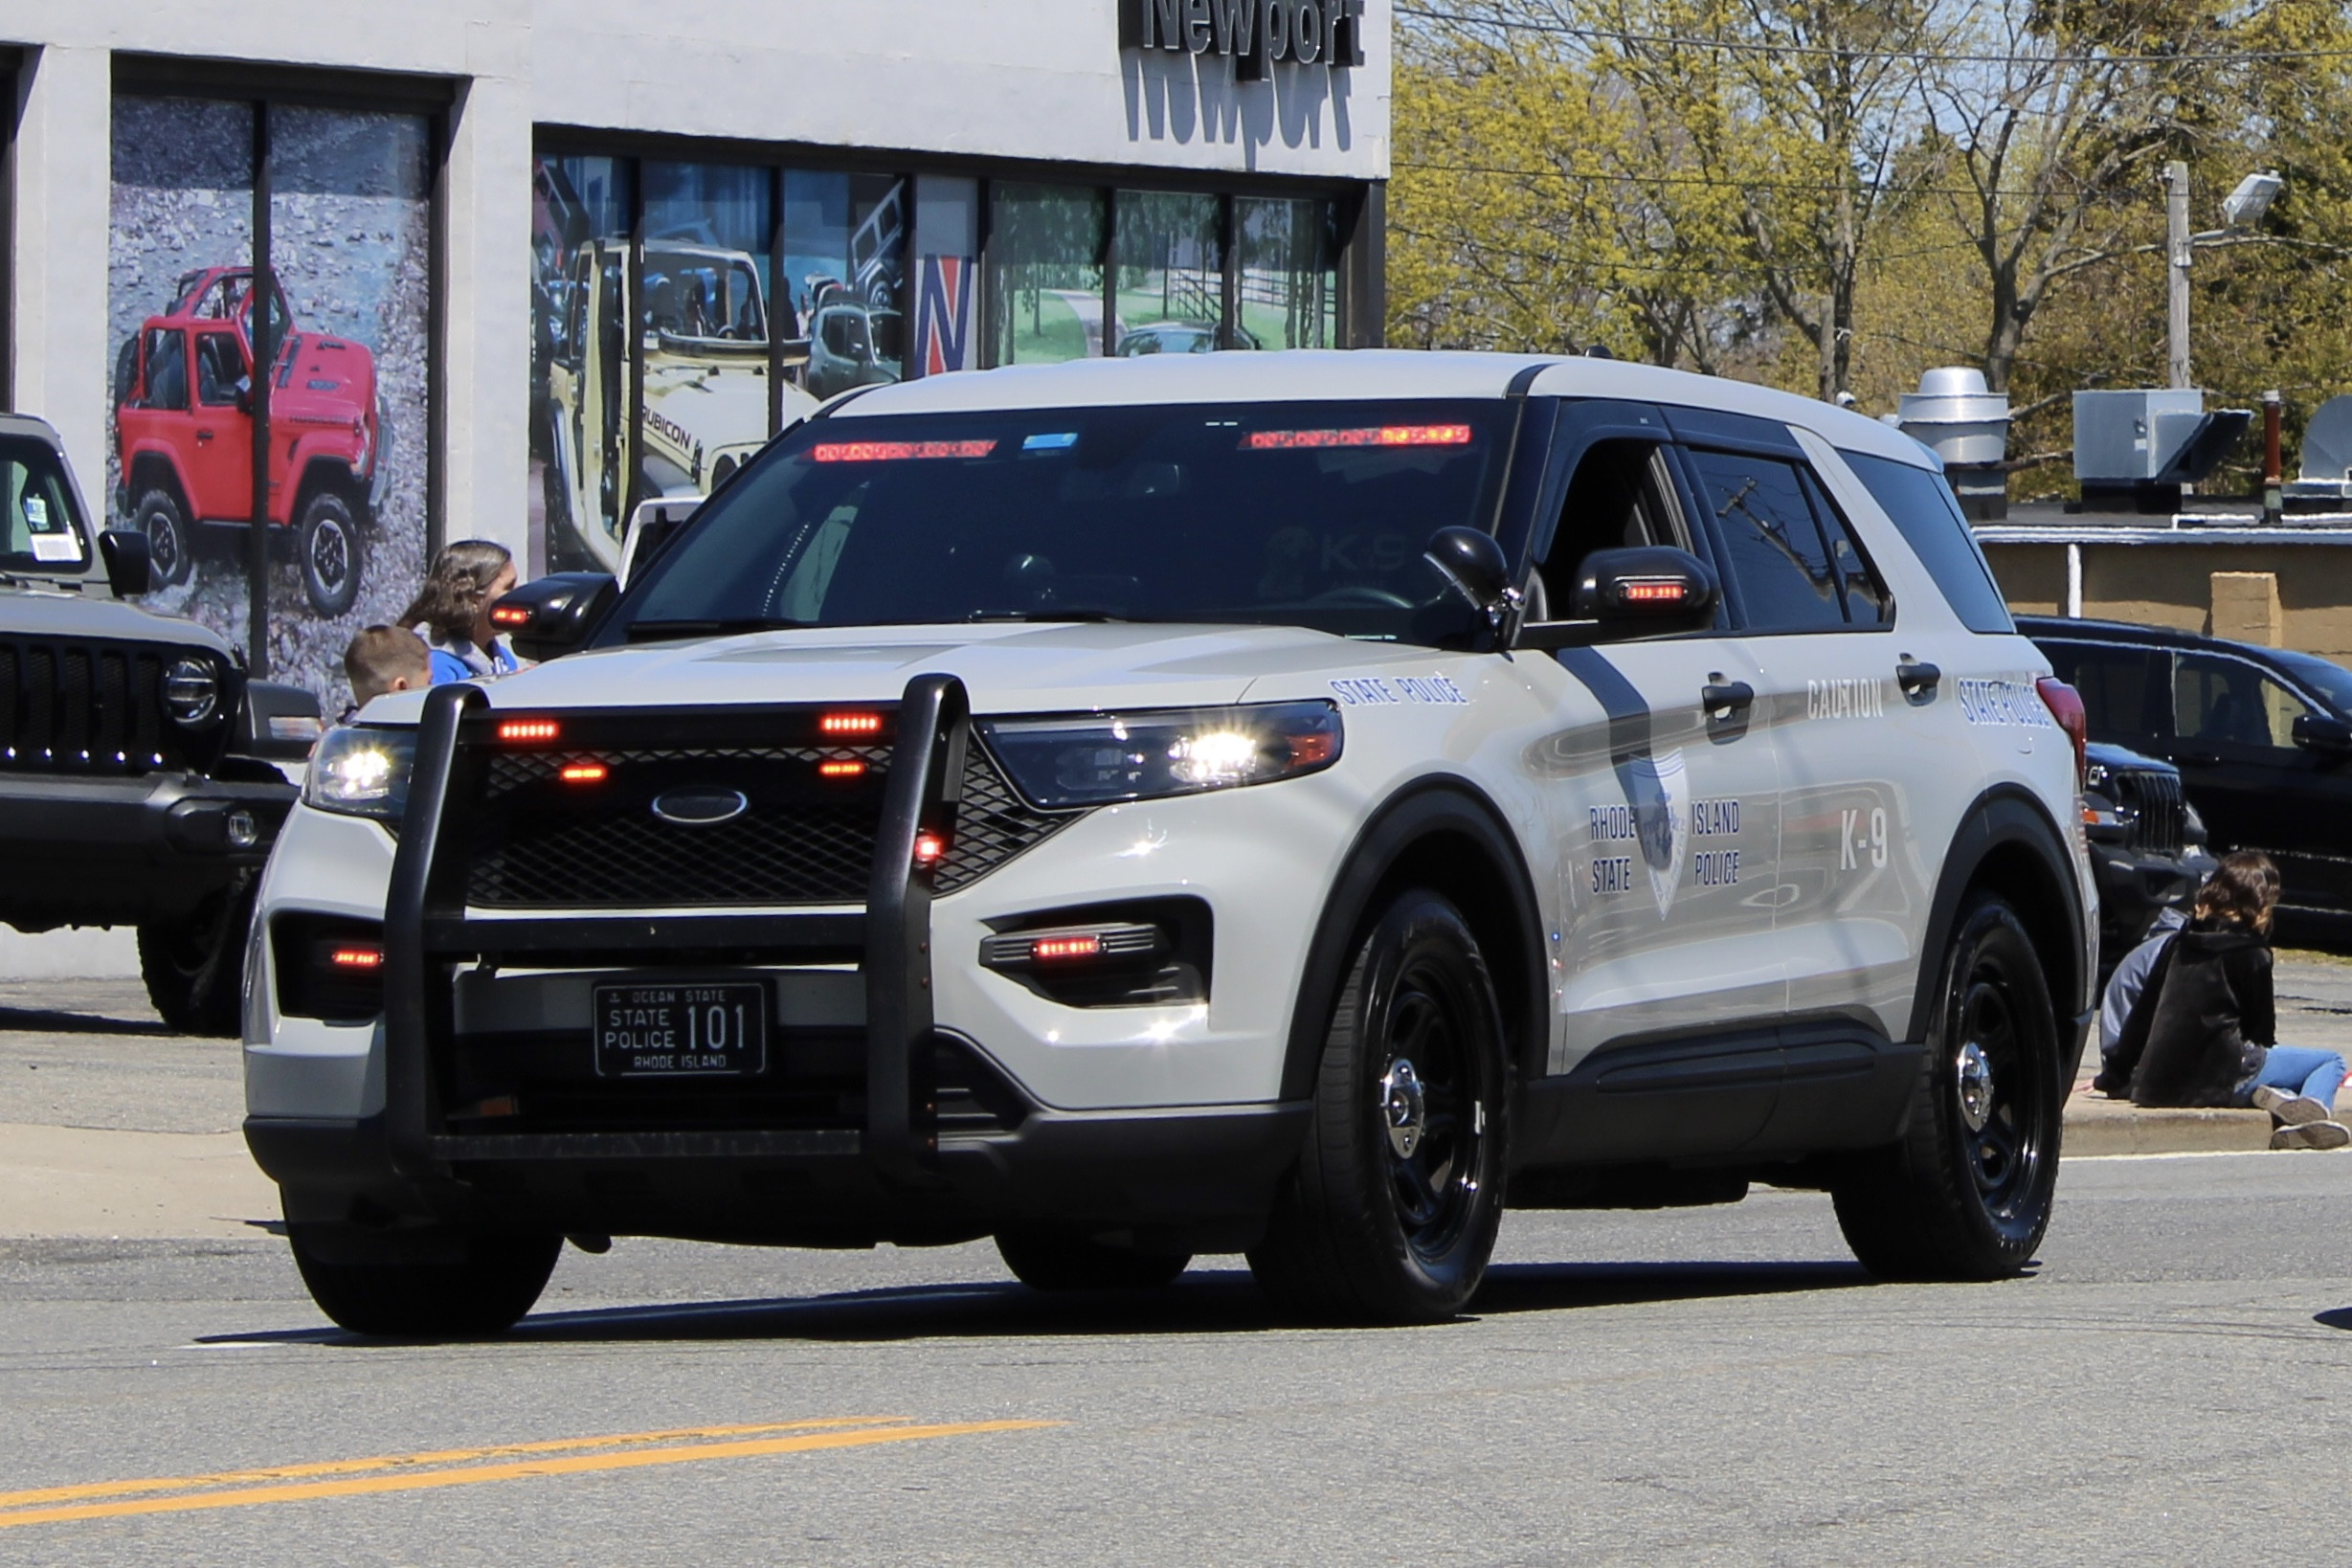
{"type": "Point", "coordinates": [1646, 586]}
{"type": "Point", "coordinates": [2320, 732]}
{"type": "Point", "coordinates": [551, 616]}
{"type": "Point", "coordinates": [1475, 564]}
{"type": "Point", "coordinates": [279, 721]}
{"type": "Point", "coordinates": [130, 568]}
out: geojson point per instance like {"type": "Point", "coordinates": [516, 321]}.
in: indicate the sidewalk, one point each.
{"type": "Point", "coordinates": [2314, 1008]}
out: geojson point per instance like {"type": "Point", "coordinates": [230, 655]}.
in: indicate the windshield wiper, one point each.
{"type": "Point", "coordinates": [662, 631]}
{"type": "Point", "coordinates": [1050, 614]}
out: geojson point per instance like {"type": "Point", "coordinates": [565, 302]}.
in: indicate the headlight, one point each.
{"type": "Point", "coordinates": [191, 691]}
{"type": "Point", "coordinates": [362, 770]}
{"type": "Point", "coordinates": [1089, 759]}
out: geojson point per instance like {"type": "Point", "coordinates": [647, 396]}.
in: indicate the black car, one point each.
{"type": "Point", "coordinates": [138, 778]}
{"type": "Point", "coordinates": [2262, 737]}
{"type": "Point", "coordinates": [2147, 844]}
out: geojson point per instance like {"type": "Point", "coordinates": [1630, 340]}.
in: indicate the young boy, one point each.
{"type": "Point", "coordinates": [386, 658]}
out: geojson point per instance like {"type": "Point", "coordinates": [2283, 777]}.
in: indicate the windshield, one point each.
{"type": "Point", "coordinates": [40, 528]}
{"type": "Point", "coordinates": [1305, 514]}
{"type": "Point", "coordinates": [2330, 681]}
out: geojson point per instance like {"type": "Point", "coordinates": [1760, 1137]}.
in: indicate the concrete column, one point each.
{"type": "Point", "coordinates": [2245, 608]}
{"type": "Point", "coordinates": [487, 306]}
{"type": "Point", "coordinates": [58, 315]}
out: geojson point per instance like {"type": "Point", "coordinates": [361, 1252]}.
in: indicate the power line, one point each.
{"type": "Point", "coordinates": [1710, 181]}
{"type": "Point", "coordinates": [1739, 46]}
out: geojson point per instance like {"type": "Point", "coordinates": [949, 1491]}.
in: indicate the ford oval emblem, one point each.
{"type": "Point", "coordinates": [700, 806]}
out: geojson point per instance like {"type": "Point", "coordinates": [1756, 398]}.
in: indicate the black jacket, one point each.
{"type": "Point", "coordinates": [2202, 1023]}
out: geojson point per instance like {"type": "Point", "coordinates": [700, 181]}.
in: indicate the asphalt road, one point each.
{"type": "Point", "coordinates": [1709, 1386]}
{"type": "Point", "coordinates": [2172, 1383]}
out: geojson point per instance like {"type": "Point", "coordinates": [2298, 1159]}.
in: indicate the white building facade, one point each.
{"type": "Point", "coordinates": [311, 288]}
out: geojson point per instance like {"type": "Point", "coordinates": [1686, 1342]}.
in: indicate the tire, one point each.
{"type": "Point", "coordinates": [172, 548]}
{"type": "Point", "coordinates": [331, 557]}
{"type": "Point", "coordinates": [194, 968]}
{"type": "Point", "coordinates": [1391, 1214]}
{"type": "Point", "coordinates": [1966, 1193]}
{"type": "Point", "coordinates": [435, 1282]}
{"type": "Point", "coordinates": [1051, 1259]}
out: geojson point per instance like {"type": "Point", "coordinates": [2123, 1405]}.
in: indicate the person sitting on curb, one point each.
{"type": "Point", "coordinates": [2203, 1030]}
{"type": "Point", "coordinates": [2131, 979]}
{"type": "Point", "coordinates": [384, 659]}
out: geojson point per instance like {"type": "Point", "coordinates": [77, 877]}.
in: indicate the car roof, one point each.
{"type": "Point", "coordinates": [1351, 374]}
{"type": "Point", "coordinates": [2126, 631]}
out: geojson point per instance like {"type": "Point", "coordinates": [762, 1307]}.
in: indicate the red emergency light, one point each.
{"type": "Point", "coordinates": [356, 958]}
{"type": "Point", "coordinates": [897, 451]}
{"type": "Point", "coordinates": [929, 849]}
{"type": "Point", "coordinates": [841, 768]}
{"type": "Point", "coordinates": [1386, 435]}
{"type": "Point", "coordinates": [584, 772]}
{"type": "Point", "coordinates": [515, 732]}
{"type": "Point", "coordinates": [850, 724]}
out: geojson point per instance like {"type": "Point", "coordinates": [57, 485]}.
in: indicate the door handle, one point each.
{"type": "Point", "coordinates": [204, 435]}
{"type": "Point", "coordinates": [1917, 675]}
{"type": "Point", "coordinates": [2197, 759]}
{"type": "Point", "coordinates": [1726, 699]}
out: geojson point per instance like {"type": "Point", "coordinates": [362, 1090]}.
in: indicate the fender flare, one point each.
{"type": "Point", "coordinates": [151, 450]}
{"type": "Point", "coordinates": [2003, 816]}
{"type": "Point", "coordinates": [1443, 803]}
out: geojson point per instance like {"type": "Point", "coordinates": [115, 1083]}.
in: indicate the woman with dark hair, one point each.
{"type": "Point", "coordinates": [452, 611]}
{"type": "Point", "coordinates": [2203, 1031]}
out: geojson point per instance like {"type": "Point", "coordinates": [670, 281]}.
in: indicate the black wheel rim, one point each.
{"type": "Point", "coordinates": [1432, 1120]}
{"type": "Point", "coordinates": [330, 555]}
{"type": "Point", "coordinates": [2000, 1099]}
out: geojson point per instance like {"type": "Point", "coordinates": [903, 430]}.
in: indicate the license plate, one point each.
{"type": "Point", "coordinates": [681, 1031]}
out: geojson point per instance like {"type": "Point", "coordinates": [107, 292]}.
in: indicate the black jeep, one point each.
{"type": "Point", "coordinates": [138, 778]}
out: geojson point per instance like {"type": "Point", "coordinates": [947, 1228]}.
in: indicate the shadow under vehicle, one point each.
{"type": "Point", "coordinates": [2262, 738]}
{"type": "Point", "coordinates": [703, 335]}
{"type": "Point", "coordinates": [139, 770]}
{"type": "Point", "coordinates": [184, 421]}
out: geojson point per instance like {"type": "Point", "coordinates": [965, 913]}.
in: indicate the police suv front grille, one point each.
{"type": "Point", "coordinates": [2160, 826]}
{"type": "Point", "coordinates": [805, 835]}
{"type": "Point", "coordinates": [92, 707]}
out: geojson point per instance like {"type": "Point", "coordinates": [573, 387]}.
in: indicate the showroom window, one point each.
{"type": "Point", "coordinates": [1170, 294]}
{"type": "Point", "coordinates": [273, 267]}
{"type": "Point", "coordinates": [1045, 274]}
{"type": "Point", "coordinates": [1287, 280]}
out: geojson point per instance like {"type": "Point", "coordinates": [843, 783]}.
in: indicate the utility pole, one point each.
{"type": "Point", "coordinates": [2177, 248]}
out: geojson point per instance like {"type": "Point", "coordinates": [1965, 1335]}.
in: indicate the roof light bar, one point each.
{"type": "Point", "coordinates": [1283, 441]}
{"type": "Point", "coordinates": [897, 451]}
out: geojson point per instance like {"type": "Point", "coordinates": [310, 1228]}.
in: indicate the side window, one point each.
{"type": "Point", "coordinates": [2121, 688]}
{"type": "Point", "coordinates": [1622, 494]}
{"type": "Point", "coordinates": [1773, 550]}
{"type": "Point", "coordinates": [166, 356]}
{"type": "Point", "coordinates": [220, 368]}
{"type": "Point", "coordinates": [2223, 702]}
{"type": "Point", "coordinates": [1868, 603]}
{"type": "Point", "coordinates": [1923, 510]}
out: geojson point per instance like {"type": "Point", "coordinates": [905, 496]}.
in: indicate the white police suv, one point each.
{"type": "Point", "coordinates": [1291, 803]}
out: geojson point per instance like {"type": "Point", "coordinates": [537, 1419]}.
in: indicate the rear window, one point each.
{"type": "Point", "coordinates": [1930, 520]}
{"type": "Point", "coordinates": [39, 529]}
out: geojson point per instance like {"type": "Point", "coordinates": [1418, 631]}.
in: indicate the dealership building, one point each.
{"type": "Point", "coordinates": [376, 276]}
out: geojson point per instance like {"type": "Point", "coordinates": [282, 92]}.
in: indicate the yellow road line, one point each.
{"type": "Point", "coordinates": [474, 1474]}
{"type": "Point", "coordinates": [446, 1456]}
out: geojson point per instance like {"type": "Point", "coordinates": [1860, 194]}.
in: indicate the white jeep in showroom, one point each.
{"type": "Point", "coordinates": [1299, 804]}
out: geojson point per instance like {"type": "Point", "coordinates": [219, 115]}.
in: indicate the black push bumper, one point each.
{"type": "Point", "coordinates": [892, 1174]}
{"type": "Point", "coordinates": [124, 851]}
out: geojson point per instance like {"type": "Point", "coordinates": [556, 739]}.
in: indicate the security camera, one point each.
{"type": "Point", "coordinates": [2244, 207]}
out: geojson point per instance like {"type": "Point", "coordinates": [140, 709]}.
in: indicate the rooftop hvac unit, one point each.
{"type": "Point", "coordinates": [2325, 483]}
{"type": "Point", "coordinates": [2134, 450]}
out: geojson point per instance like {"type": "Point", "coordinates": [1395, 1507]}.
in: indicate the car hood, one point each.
{"type": "Point", "coordinates": [1012, 668]}
{"type": "Point", "coordinates": [45, 611]}
{"type": "Point", "coordinates": [2124, 758]}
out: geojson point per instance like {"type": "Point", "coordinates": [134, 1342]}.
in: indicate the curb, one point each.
{"type": "Point", "coordinates": [2118, 1127]}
